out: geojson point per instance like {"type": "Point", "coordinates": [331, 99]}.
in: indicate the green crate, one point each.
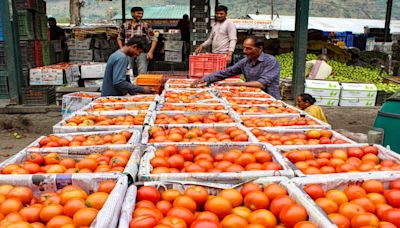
{"type": "Point", "coordinates": [43, 26]}
{"type": "Point", "coordinates": [46, 53]}
{"type": "Point", "coordinates": [4, 93]}
{"type": "Point", "coordinates": [25, 24]}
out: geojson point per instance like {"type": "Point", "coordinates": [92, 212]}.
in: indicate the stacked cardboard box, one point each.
{"type": "Point", "coordinates": [325, 92]}
{"type": "Point", "coordinates": [358, 94]}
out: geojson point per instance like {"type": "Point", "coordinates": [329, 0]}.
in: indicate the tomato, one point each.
{"type": "Point", "coordinates": [274, 190]}
{"type": "Point", "coordinates": [118, 161]}
{"type": "Point", "coordinates": [233, 196]}
{"type": "Point", "coordinates": [263, 217]}
{"type": "Point", "coordinates": [144, 221]}
{"type": "Point", "coordinates": [314, 191]}
{"type": "Point", "coordinates": [52, 158]}
{"type": "Point", "coordinates": [280, 202]}
{"type": "Point", "coordinates": [292, 214]}
{"type": "Point", "coordinates": [96, 200]}
{"type": "Point", "coordinates": [106, 186]}
{"type": "Point", "coordinates": [206, 215]}
{"type": "Point", "coordinates": [35, 158]}
{"type": "Point", "coordinates": [392, 216]}
{"type": "Point", "coordinates": [31, 214]}
{"type": "Point", "coordinates": [72, 206]}
{"type": "Point", "coordinates": [148, 193]}
{"type": "Point", "coordinates": [171, 194]}
{"type": "Point", "coordinates": [256, 200]}
{"type": "Point", "coordinates": [24, 194]}
{"type": "Point", "coordinates": [183, 213]}
{"type": "Point", "coordinates": [198, 194]}
{"type": "Point", "coordinates": [393, 197]}
{"type": "Point", "coordinates": [186, 202]}
{"type": "Point", "coordinates": [148, 211]}
{"type": "Point", "coordinates": [233, 221]}
{"type": "Point", "coordinates": [202, 223]}
{"type": "Point", "coordinates": [173, 222]}
{"type": "Point", "coordinates": [68, 195]}
{"type": "Point", "coordinates": [10, 205]}
{"type": "Point", "coordinates": [164, 206]}
{"type": "Point", "coordinates": [84, 216]}
{"type": "Point", "coordinates": [59, 221]}
{"type": "Point", "coordinates": [249, 187]}
{"type": "Point", "coordinates": [50, 211]}
{"type": "Point", "coordinates": [219, 206]}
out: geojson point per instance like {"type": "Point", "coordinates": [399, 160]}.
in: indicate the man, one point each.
{"type": "Point", "coordinates": [183, 26]}
{"type": "Point", "coordinates": [223, 35]}
{"type": "Point", "coordinates": [260, 70]}
{"type": "Point", "coordinates": [56, 33]}
{"type": "Point", "coordinates": [115, 82]}
{"type": "Point", "coordinates": [134, 28]}
{"type": "Point", "coordinates": [318, 69]}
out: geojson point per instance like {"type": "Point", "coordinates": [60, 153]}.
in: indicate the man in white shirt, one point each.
{"type": "Point", "coordinates": [223, 35]}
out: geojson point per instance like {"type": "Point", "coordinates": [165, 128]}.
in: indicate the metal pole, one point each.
{"type": "Point", "coordinates": [12, 50]}
{"type": "Point", "coordinates": [272, 10]}
{"type": "Point", "coordinates": [387, 19]}
{"type": "Point", "coordinates": [300, 47]}
{"type": "Point", "coordinates": [123, 11]}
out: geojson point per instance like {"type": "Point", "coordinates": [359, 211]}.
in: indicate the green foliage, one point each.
{"type": "Point", "coordinates": [343, 73]}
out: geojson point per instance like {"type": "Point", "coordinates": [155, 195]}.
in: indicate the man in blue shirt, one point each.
{"type": "Point", "coordinates": [260, 70]}
{"type": "Point", "coordinates": [115, 82]}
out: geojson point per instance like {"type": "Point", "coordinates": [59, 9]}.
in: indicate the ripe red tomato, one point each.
{"type": "Point", "coordinates": [35, 158]}
{"type": "Point", "coordinates": [148, 193]}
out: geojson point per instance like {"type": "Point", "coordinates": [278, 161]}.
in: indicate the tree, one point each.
{"type": "Point", "coordinates": [75, 11]}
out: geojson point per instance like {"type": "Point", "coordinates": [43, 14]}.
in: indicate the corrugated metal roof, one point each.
{"type": "Point", "coordinates": [329, 24]}
{"type": "Point", "coordinates": [159, 12]}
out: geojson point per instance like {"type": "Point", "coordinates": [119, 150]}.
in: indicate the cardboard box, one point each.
{"type": "Point", "coordinates": [173, 56]}
{"type": "Point", "coordinates": [326, 101]}
{"type": "Point", "coordinates": [357, 102]}
{"type": "Point", "coordinates": [93, 83]}
{"type": "Point", "coordinates": [81, 55]}
{"type": "Point", "coordinates": [322, 88]}
{"type": "Point", "coordinates": [95, 70]}
{"type": "Point", "coordinates": [47, 77]}
{"type": "Point", "coordinates": [358, 90]}
{"type": "Point", "coordinates": [74, 44]}
{"type": "Point", "coordinates": [173, 45]}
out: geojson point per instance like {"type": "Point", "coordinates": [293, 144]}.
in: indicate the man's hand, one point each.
{"type": "Point", "coordinates": [198, 49]}
{"type": "Point", "coordinates": [229, 84]}
{"type": "Point", "coordinates": [149, 55]}
{"type": "Point", "coordinates": [197, 82]}
{"type": "Point", "coordinates": [228, 58]}
{"type": "Point", "coordinates": [148, 89]}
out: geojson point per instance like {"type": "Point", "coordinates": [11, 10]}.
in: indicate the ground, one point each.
{"type": "Point", "coordinates": [31, 126]}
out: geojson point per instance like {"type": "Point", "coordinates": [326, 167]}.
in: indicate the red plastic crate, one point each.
{"type": "Point", "coordinates": [38, 51]}
{"type": "Point", "coordinates": [204, 64]}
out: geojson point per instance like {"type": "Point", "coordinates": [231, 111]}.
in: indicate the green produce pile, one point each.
{"type": "Point", "coordinates": [343, 72]}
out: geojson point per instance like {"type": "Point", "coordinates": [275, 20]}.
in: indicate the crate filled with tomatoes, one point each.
{"type": "Point", "coordinates": [136, 98]}
{"type": "Point", "coordinates": [272, 110]}
{"type": "Point", "coordinates": [346, 158]}
{"type": "Point", "coordinates": [296, 137]}
{"type": "Point", "coordinates": [74, 101]}
{"type": "Point", "coordinates": [55, 201]}
{"type": "Point", "coordinates": [173, 108]}
{"type": "Point", "coordinates": [267, 202]}
{"type": "Point", "coordinates": [214, 118]}
{"type": "Point", "coordinates": [115, 159]}
{"type": "Point", "coordinates": [109, 108]}
{"type": "Point", "coordinates": [289, 121]}
{"type": "Point", "coordinates": [220, 162]}
{"type": "Point", "coordinates": [189, 96]}
{"type": "Point", "coordinates": [232, 101]}
{"type": "Point", "coordinates": [196, 133]}
{"type": "Point", "coordinates": [118, 120]}
{"type": "Point", "coordinates": [356, 200]}
{"type": "Point", "coordinates": [53, 142]}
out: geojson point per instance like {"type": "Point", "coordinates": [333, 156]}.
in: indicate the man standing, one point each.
{"type": "Point", "coordinates": [318, 69]}
{"type": "Point", "coordinates": [115, 82]}
{"type": "Point", "coordinates": [136, 27]}
{"type": "Point", "coordinates": [56, 33]}
{"type": "Point", "coordinates": [183, 26]}
{"type": "Point", "coordinates": [260, 70]}
{"type": "Point", "coordinates": [223, 35]}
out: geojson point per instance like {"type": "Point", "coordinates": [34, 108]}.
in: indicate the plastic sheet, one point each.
{"type": "Point", "coordinates": [383, 154]}
{"type": "Point", "coordinates": [225, 177]}
{"type": "Point", "coordinates": [315, 214]}
{"type": "Point", "coordinates": [61, 128]}
{"type": "Point", "coordinates": [135, 138]}
{"type": "Point", "coordinates": [106, 217]}
{"type": "Point", "coordinates": [79, 153]}
{"type": "Point", "coordinates": [219, 128]}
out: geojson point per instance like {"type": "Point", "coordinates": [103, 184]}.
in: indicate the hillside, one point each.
{"type": "Point", "coordinates": [95, 10]}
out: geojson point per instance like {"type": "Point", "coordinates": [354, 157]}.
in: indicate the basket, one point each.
{"type": "Point", "coordinates": [79, 153]}
{"type": "Point", "coordinates": [27, 53]}
{"type": "Point", "coordinates": [225, 177]}
{"type": "Point", "coordinates": [106, 217]}
{"type": "Point", "coordinates": [315, 215]}
{"type": "Point", "coordinates": [204, 64]}
{"type": "Point", "coordinates": [25, 25]}
{"type": "Point", "coordinates": [383, 154]}
{"type": "Point", "coordinates": [61, 128]}
{"type": "Point", "coordinates": [38, 95]}
{"type": "Point", "coordinates": [38, 52]}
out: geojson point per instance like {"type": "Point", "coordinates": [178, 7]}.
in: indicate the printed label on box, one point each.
{"type": "Point", "coordinates": [172, 45]}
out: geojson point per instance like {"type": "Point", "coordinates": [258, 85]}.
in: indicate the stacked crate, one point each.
{"type": "Point", "coordinates": [200, 22]}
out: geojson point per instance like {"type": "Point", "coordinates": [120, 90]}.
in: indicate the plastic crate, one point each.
{"type": "Point", "coordinates": [26, 4]}
{"type": "Point", "coordinates": [38, 95]}
{"type": "Point", "coordinates": [3, 84]}
{"type": "Point", "coordinates": [46, 52]}
{"type": "Point", "coordinates": [2, 56]}
{"type": "Point", "coordinates": [41, 6]}
{"type": "Point", "coordinates": [205, 64]}
{"type": "Point", "coordinates": [149, 79]}
{"type": "Point", "coordinates": [38, 53]}
{"type": "Point", "coordinates": [27, 53]}
{"type": "Point", "coordinates": [25, 25]}
{"type": "Point", "coordinates": [1, 30]}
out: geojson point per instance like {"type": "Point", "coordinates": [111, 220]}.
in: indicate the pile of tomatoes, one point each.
{"type": "Point", "coordinates": [84, 140]}
{"type": "Point", "coordinates": [171, 159]}
{"type": "Point", "coordinates": [280, 122]}
{"type": "Point", "coordinates": [243, 94]}
{"type": "Point", "coordinates": [102, 120]}
{"type": "Point", "coordinates": [117, 107]}
{"type": "Point", "coordinates": [183, 134]}
{"type": "Point", "coordinates": [186, 96]}
{"type": "Point", "coordinates": [141, 98]}
{"type": "Point", "coordinates": [353, 159]}
{"type": "Point", "coordinates": [367, 204]}
{"type": "Point", "coordinates": [218, 117]}
{"type": "Point", "coordinates": [69, 207]}
{"type": "Point", "coordinates": [192, 107]}
{"type": "Point", "coordinates": [263, 109]}
{"type": "Point", "coordinates": [310, 137]}
{"type": "Point", "coordinates": [36, 163]}
{"type": "Point", "coordinates": [252, 206]}
{"type": "Point", "coordinates": [237, 101]}
{"type": "Point", "coordinates": [85, 95]}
